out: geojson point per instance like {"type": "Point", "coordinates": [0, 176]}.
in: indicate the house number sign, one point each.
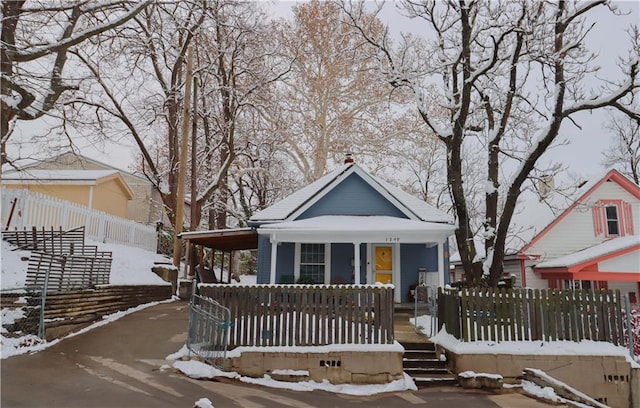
{"type": "Point", "coordinates": [392, 239]}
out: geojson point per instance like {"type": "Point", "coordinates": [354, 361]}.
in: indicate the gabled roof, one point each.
{"type": "Point", "coordinates": [295, 204]}
{"type": "Point", "coordinates": [74, 157]}
{"type": "Point", "coordinates": [612, 175]}
{"type": "Point", "coordinates": [65, 177]}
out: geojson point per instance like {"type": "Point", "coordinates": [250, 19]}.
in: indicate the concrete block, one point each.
{"type": "Point", "coordinates": [357, 378]}
{"type": "Point", "coordinates": [317, 374]}
{"type": "Point", "coordinates": [168, 273]}
{"type": "Point", "coordinates": [338, 375]}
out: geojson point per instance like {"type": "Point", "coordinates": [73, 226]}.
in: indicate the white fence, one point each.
{"type": "Point", "coordinates": [34, 209]}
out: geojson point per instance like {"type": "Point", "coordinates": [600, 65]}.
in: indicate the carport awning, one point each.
{"type": "Point", "coordinates": [344, 228]}
{"type": "Point", "coordinates": [225, 240]}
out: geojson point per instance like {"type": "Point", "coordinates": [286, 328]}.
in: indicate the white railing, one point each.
{"type": "Point", "coordinates": [34, 209]}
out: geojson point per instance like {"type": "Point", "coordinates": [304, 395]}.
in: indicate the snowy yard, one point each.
{"type": "Point", "coordinates": [132, 266]}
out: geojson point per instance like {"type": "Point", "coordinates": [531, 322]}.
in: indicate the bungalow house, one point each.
{"type": "Point", "coordinates": [145, 206]}
{"type": "Point", "coordinates": [594, 243]}
{"type": "Point", "coordinates": [102, 190]}
{"type": "Point", "coordinates": [590, 242]}
{"type": "Point", "coordinates": [347, 227]}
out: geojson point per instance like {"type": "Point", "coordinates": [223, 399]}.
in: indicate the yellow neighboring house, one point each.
{"type": "Point", "coordinates": [102, 190]}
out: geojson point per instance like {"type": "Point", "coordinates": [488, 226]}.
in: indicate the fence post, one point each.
{"type": "Point", "coordinates": [22, 204]}
{"type": "Point", "coordinates": [43, 302]}
{"type": "Point", "coordinates": [101, 228]}
{"type": "Point", "coordinates": [64, 217]}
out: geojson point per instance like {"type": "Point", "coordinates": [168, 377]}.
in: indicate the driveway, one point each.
{"type": "Point", "coordinates": [118, 365]}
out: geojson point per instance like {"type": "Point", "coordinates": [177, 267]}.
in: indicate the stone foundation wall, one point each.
{"type": "Point", "coordinates": [608, 379]}
{"type": "Point", "coordinates": [339, 367]}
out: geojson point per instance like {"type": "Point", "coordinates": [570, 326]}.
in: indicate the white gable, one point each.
{"type": "Point", "coordinates": [574, 230]}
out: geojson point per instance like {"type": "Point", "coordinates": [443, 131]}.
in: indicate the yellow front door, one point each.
{"type": "Point", "coordinates": [383, 272]}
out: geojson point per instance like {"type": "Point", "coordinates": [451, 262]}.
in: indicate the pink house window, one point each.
{"type": "Point", "coordinates": [613, 226]}
{"type": "Point", "coordinates": [612, 218]}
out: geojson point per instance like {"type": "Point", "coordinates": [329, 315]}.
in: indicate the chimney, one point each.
{"type": "Point", "coordinates": [348, 158]}
{"type": "Point", "coordinates": [545, 186]}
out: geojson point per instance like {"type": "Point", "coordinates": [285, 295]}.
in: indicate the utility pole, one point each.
{"type": "Point", "coordinates": [194, 257]}
{"type": "Point", "coordinates": [184, 144]}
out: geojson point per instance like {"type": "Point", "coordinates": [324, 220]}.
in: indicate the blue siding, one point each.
{"type": "Point", "coordinates": [341, 269]}
{"type": "Point", "coordinates": [286, 258]}
{"type": "Point", "coordinates": [353, 196]}
{"type": "Point", "coordinates": [412, 258]}
{"type": "Point", "coordinates": [341, 265]}
{"type": "Point", "coordinates": [264, 259]}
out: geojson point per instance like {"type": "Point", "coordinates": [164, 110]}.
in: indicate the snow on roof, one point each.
{"type": "Point", "coordinates": [288, 206]}
{"type": "Point", "coordinates": [57, 175]}
{"type": "Point", "coordinates": [283, 208]}
{"type": "Point", "coordinates": [354, 228]}
{"type": "Point", "coordinates": [423, 210]}
{"type": "Point", "coordinates": [356, 223]}
{"type": "Point", "coordinates": [588, 254]}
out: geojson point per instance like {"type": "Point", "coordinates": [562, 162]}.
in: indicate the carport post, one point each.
{"type": "Point", "coordinates": [441, 270]}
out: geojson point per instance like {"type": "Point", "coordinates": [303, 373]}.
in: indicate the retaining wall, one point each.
{"type": "Point", "coordinates": [608, 379]}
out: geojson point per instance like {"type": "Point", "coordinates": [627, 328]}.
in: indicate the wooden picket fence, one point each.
{"type": "Point", "coordinates": [305, 315]}
{"type": "Point", "coordinates": [532, 315]}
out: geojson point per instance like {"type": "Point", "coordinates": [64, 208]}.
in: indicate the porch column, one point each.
{"type": "Point", "coordinates": [274, 257]}
{"type": "Point", "coordinates": [441, 270]}
{"type": "Point", "coordinates": [356, 263]}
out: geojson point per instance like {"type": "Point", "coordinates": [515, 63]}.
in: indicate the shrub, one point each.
{"type": "Point", "coordinates": [635, 328]}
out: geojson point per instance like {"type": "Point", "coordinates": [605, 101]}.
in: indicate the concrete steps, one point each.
{"type": "Point", "coordinates": [423, 365]}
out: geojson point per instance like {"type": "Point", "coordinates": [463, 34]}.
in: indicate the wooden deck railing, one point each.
{"type": "Point", "coordinates": [527, 314]}
{"type": "Point", "coordinates": [301, 315]}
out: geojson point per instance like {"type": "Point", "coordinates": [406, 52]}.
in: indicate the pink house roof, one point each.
{"type": "Point", "coordinates": [612, 175]}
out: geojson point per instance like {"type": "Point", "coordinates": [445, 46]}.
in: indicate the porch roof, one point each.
{"type": "Point", "coordinates": [357, 229]}
{"type": "Point", "coordinates": [225, 240]}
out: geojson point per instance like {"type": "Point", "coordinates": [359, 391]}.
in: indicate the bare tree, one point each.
{"type": "Point", "coordinates": [624, 151]}
{"type": "Point", "coordinates": [335, 100]}
{"type": "Point", "coordinates": [500, 67]}
{"type": "Point", "coordinates": [36, 43]}
{"type": "Point", "coordinates": [137, 91]}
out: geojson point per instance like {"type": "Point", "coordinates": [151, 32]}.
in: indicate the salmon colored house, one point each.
{"type": "Point", "coordinates": [101, 190]}
{"type": "Point", "coordinates": [594, 243]}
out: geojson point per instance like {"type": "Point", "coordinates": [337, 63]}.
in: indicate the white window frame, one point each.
{"type": "Point", "coordinates": [327, 261]}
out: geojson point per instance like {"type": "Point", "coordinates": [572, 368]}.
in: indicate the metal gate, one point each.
{"type": "Point", "coordinates": [209, 324]}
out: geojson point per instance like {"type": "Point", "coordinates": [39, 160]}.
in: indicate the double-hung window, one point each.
{"type": "Point", "coordinates": [613, 225]}
{"type": "Point", "coordinates": [612, 218]}
{"type": "Point", "coordinates": [312, 263]}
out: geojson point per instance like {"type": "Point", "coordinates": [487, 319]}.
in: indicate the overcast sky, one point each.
{"type": "Point", "coordinates": [583, 155]}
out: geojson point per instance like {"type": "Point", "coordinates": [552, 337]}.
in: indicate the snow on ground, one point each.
{"type": "Point", "coordinates": [585, 347]}
{"type": "Point", "coordinates": [199, 370]}
{"type": "Point", "coordinates": [132, 266]}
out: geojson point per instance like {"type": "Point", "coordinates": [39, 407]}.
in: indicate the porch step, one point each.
{"type": "Point", "coordinates": [422, 364]}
